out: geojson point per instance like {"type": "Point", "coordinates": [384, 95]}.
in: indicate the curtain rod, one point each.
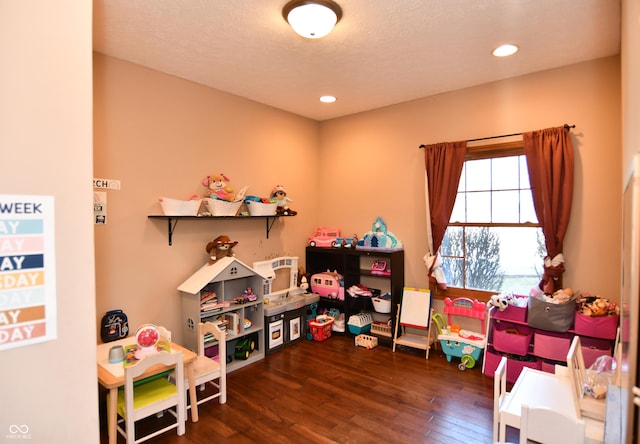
{"type": "Point", "coordinates": [566, 126]}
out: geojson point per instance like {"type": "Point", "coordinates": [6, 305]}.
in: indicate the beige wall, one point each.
{"type": "Point", "coordinates": [160, 135]}
{"type": "Point", "coordinates": [375, 156]}
{"type": "Point", "coordinates": [46, 146]}
{"type": "Point", "coordinates": [630, 63]}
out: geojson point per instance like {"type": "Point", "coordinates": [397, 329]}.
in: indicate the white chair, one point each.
{"type": "Point", "coordinates": [500, 397]}
{"type": "Point", "coordinates": [584, 405]}
{"type": "Point", "coordinates": [164, 333]}
{"type": "Point", "coordinates": [575, 364]}
{"type": "Point", "coordinates": [208, 371]}
{"type": "Point", "coordinates": [546, 426]}
{"type": "Point", "coordinates": [143, 398]}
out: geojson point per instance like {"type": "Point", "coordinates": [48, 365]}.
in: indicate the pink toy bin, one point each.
{"type": "Point", "coordinates": [512, 338]}
{"type": "Point", "coordinates": [512, 312]}
{"type": "Point", "coordinates": [604, 327]}
{"type": "Point", "coordinates": [592, 349]}
{"type": "Point", "coordinates": [554, 346]}
{"type": "Point", "coordinates": [514, 366]}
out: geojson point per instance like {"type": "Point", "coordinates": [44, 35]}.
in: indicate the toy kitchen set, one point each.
{"type": "Point", "coordinates": [285, 303]}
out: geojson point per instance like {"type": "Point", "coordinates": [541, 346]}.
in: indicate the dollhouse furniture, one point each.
{"type": "Point", "coordinates": [230, 292]}
{"type": "Point", "coordinates": [111, 377]}
{"type": "Point", "coordinates": [541, 424]}
{"type": "Point", "coordinates": [149, 398]}
{"type": "Point", "coordinates": [208, 371]}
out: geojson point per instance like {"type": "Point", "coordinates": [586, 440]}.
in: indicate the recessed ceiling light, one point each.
{"type": "Point", "coordinates": [505, 50]}
{"type": "Point", "coordinates": [327, 99]}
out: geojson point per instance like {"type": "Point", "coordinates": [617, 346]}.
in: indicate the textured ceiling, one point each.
{"type": "Point", "coordinates": [382, 52]}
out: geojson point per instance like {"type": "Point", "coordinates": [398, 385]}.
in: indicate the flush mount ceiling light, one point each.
{"type": "Point", "coordinates": [312, 19]}
{"type": "Point", "coordinates": [505, 50]}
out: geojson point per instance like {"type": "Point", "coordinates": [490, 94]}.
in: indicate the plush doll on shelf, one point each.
{"type": "Point", "coordinates": [220, 247]}
{"type": "Point", "coordinates": [500, 300]}
{"type": "Point", "coordinates": [280, 195]}
{"type": "Point", "coordinates": [218, 187]}
{"type": "Point", "coordinates": [303, 280]}
{"type": "Point", "coordinates": [597, 306]}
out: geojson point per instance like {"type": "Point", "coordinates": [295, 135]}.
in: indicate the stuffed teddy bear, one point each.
{"type": "Point", "coordinates": [218, 187]}
{"type": "Point", "coordinates": [220, 247]}
{"type": "Point", "coordinates": [279, 194]}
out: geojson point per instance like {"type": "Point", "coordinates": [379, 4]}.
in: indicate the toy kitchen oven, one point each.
{"type": "Point", "coordinates": [285, 304]}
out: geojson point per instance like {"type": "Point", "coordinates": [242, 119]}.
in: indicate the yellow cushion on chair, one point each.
{"type": "Point", "coordinates": [148, 393]}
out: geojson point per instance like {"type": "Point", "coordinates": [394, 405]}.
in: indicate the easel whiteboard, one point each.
{"type": "Point", "coordinates": [415, 308]}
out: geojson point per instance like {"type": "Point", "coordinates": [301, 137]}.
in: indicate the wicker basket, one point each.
{"type": "Point", "coordinates": [261, 209]}
{"type": "Point", "coordinates": [175, 207]}
{"type": "Point", "coordinates": [219, 207]}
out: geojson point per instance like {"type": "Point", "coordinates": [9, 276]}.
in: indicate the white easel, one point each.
{"type": "Point", "coordinates": [414, 312]}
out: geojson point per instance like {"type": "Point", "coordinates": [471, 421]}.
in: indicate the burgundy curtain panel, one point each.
{"type": "Point", "coordinates": [443, 166]}
{"type": "Point", "coordinates": [549, 155]}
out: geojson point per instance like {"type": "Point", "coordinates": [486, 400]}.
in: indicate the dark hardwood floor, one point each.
{"type": "Point", "coordinates": [334, 392]}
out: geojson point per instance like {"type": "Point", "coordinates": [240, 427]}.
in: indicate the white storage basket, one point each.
{"type": "Point", "coordinates": [261, 209]}
{"type": "Point", "coordinates": [381, 305]}
{"type": "Point", "coordinates": [219, 207]}
{"type": "Point", "coordinates": [176, 207]}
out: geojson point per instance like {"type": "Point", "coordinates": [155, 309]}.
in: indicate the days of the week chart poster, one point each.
{"type": "Point", "coordinates": [27, 270]}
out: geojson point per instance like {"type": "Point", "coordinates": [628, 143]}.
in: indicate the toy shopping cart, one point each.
{"type": "Point", "coordinates": [464, 344]}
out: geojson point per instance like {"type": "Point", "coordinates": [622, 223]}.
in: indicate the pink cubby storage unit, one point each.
{"type": "Point", "coordinates": [603, 327]}
{"type": "Point", "coordinates": [510, 335]}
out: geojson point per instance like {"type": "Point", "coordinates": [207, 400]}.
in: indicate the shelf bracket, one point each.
{"type": "Point", "coordinates": [171, 226]}
{"type": "Point", "coordinates": [273, 220]}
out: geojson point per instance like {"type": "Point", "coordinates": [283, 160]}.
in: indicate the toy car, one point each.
{"type": "Point", "coordinates": [247, 296]}
{"type": "Point", "coordinates": [244, 347]}
{"type": "Point", "coordinates": [324, 237]}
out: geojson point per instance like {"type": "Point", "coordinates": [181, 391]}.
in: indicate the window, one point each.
{"type": "Point", "coordinates": [493, 242]}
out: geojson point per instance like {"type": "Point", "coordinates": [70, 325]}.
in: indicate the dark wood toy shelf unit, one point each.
{"type": "Point", "coordinates": [355, 265]}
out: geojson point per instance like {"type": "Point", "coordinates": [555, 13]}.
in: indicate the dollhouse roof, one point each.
{"type": "Point", "coordinates": [224, 267]}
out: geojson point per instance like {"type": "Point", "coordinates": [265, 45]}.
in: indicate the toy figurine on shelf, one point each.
{"type": "Point", "coordinates": [221, 246]}
{"type": "Point", "coordinates": [280, 195]}
{"type": "Point", "coordinates": [245, 297]}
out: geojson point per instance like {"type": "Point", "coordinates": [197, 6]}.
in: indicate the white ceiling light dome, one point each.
{"type": "Point", "coordinates": [312, 19]}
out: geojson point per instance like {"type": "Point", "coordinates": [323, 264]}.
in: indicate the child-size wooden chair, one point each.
{"type": "Point", "coordinates": [541, 424]}
{"type": "Point", "coordinates": [584, 405]}
{"type": "Point", "coordinates": [141, 399]}
{"type": "Point", "coordinates": [500, 397]}
{"type": "Point", "coordinates": [207, 370]}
